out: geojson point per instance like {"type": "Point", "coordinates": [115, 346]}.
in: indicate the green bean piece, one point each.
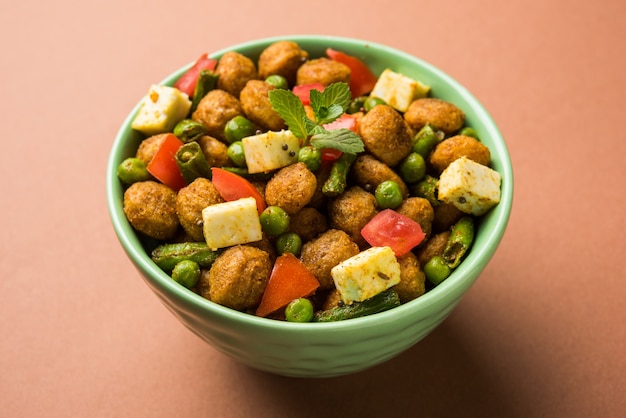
{"type": "Point", "coordinates": [299, 310]}
{"type": "Point", "coordinates": [459, 242]}
{"type": "Point", "coordinates": [132, 170]}
{"type": "Point", "coordinates": [388, 195]}
{"type": "Point", "coordinates": [426, 140]}
{"type": "Point", "coordinates": [207, 80]}
{"type": "Point", "coordinates": [166, 256]}
{"type": "Point", "coordinates": [378, 303]}
{"type": "Point", "coordinates": [311, 157]}
{"type": "Point", "coordinates": [188, 130]}
{"type": "Point", "coordinates": [356, 105]}
{"type": "Point", "coordinates": [413, 168]}
{"type": "Point", "coordinates": [238, 128]}
{"type": "Point", "coordinates": [289, 242]}
{"type": "Point", "coordinates": [278, 81]}
{"type": "Point", "coordinates": [467, 131]}
{"type": "Point", "coordinates": [274, 220]}
{"type": "Point", "coordinates": [337, 180]}
{"type": "Point", "coordinates": [371, 101]}
{"type": "Point", "coordinates": [192, 162]}
{"type": "Point", "coordinates": [437, 270]}
{"type": "Point", "coordinates": [236, 154]}
{"type": "Point", "coordinates": [428, 189]}
{"type": "Point", "coordinates": [186, 273]}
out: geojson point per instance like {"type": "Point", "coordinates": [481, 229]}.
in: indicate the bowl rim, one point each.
{"type": "Point", "coordinates": [449, 291]}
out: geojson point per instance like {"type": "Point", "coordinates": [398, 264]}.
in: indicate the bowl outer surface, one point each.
{"type": "Point", "coordinates": [325, 349]}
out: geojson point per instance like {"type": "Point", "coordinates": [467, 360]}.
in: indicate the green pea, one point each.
{"type": "Point", "coordinates": [274, 220]}
{"type": "Point", "coordinates": [299, 310]}
{"type": "Point", "coordinates": [133, 170]}
{"type": "Point", "coordinates": [437, 270]}
{"type": "Point", "coordinates": [371, 101]}
{"type": "Point", "coordinates": [388, 195]}
{"type": "Point", "coordinates": [186, 273]}
{"type": "Point", "coordinates": [467, 131]}
{"type": "Point", "coordinates": [236, 154]}
{"type": "Point", "coordinates": [426, 139]}
{"type": "Point", "coordinates": [238, 128]}
{"type": "Point", "coordinates": [356, 105]}
{"type": "Point", "coordinates": [289, 242]}
{"type": "Point", "coordinates": [311, 157]}
{"type": "Point", "coordinates": [278, 81]}
{"type": "Point", "coordinates": [188, 130]}
{"type": "Point", "coordinates": [413, 168]}
{"type": "Point", "coordinates": [428, 188]}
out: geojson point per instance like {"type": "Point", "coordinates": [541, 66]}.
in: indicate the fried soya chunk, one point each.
{"type": "Point", "coordinates": [324, 71]}
{"type": "Point", "coordinates": [150, 207]}
{"type": "Point", "coordinates": [215, 109]}
{"type": "Point", "coordinates": [257, 107]}
{"type": "Point", "coordinates": [368, 172]}
{"type": "Point", "coordinates": [190, 201]}
{"type": "Point", "coordinates": [412, 278]}
{"type": "Point", "coordinates": [282, 58]}
{"type": "Point", "coordinates": [149, 146]}
{"type": "Point", "coordinates": [432, 247]}
{"type": "Point", "coordinates": [350, 211]}
{"type": "Point", "coordinates": [458, 146]}
{"type": "Point", "coordinates": [385, 134]}
{"type": "Point", "coordinates": [438, 113]}
{"type": "Point", "coordinates": [234, 70]}
{"type": "Point", "coordinates": [323, 253]}
{"type": "Point", "coordinates": [308, 223]}
{"type": "Point", "coordinates": [237, 278]}
{"type": "Point", "coordinates": [420, 210]}
{"type": "Point", "coordinates": [291, 188]}
{"type": "Point", "coordinates": [215, 151]}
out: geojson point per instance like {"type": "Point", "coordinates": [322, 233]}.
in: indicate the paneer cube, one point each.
{"type": "Point", "coordinates": [366, 274]}
{"type": "Point", "coordinates": [231, 223]}
{"type": "Point", "coordinates": [270, 150]}
{"type": "Point", "coordinates": [472, 187]}
{"type": "Point", "coordinates": [398, 90]}
{"type": "Point", "coordinates": [161, 109]}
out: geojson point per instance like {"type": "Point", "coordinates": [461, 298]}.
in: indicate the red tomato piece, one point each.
{"type": "Point", "coordinates": [392, 229]}
{"type": "Point", "coordinates": [345, 121]}
{"type": "Point", "coordinates": [303, 91]}
{"type": "Point", "coordinates": [290, 279]}
{"type": "Point", "coordinates": [330, 154]}
{"type": "Point", "coordinates": [187, 82]}
{"type": "Point", "coordinates": [234, 187]}
{"type": "Point", "coordinates": [362, 79]}
{"type": "Point", "coordinates": [163, 165]}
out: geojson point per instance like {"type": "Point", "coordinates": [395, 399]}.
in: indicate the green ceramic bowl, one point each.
{"type": "Point", "coordinates": [325, 349]}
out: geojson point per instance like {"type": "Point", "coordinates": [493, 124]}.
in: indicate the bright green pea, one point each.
{"type": "Point", "coordinates": [437, 270]}
{"type": "Point", "coordinates": [238, 128]}
{"type": "Point", "coordinates": [133, 170]}
{"type": "Point", "coordinates": [370, 102]}
{"type": "Point", "coordinates": [467, 131]}
{"type": "Point", "coordinates": [356, 105]}
{"type": "Point", "coordinates": [413, 168]}
{"type": "Point", "coordinates": [388, 195]}
{"type": "Point", "coordinates": [236, 154]}
{"type": "Point", "coordinates": [278, 81]}
{"type": "Point", "coordinates": [311, 157]}
{"type": "Point", "coordinates": [274, 221]}
{"type": "Point", "coordinates": [299, 310]}
{"type": "Point", "coordinates": [186, 273]}
{"type": "Point", "coordinates": [426, 139]}
{"type": "Point", "coordinates": [289, 242]}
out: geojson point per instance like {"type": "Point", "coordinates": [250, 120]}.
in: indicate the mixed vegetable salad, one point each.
{"type": "Point", "coordinates": [305, 188]}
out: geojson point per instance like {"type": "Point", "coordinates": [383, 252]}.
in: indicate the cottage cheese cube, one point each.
{"type": "Point", "coordinates": [472, 187]}
{"type": "Point", "coordinates": [161, 109]}
{"type": "Point", "coordinates": [270, 150]}
{"type": "Point", "coordinates": [398, 90]}
{"type": "Point", "coordinates": [231, 223]}
{"type": "Point", "coordinates": [366, 274]}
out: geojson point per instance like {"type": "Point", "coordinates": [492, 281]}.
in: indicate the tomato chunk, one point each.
{"type": "Point", "coordinates": [234, 187]}
{"type": "Point", "coordinates": [163, 165]}
{"type": "Point", "coordinates": [290, 279]}
{"type": "Point", "coordinates": [345, 121]}
{"type": "Point", "coordinates": [303, 91]}
{"type": "Point", "coordinates": [392, 229]}
{"type": "Point", "coordinates": [187, 82]}
{"type": "Point", "coordinates": [362, 79]}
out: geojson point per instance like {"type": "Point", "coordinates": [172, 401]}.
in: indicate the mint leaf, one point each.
{"type": "Point", "coordinates": [331, 103]}
{"type": "Point", "coordinates": [342, 139]}
{"type": "Point", "coordinates": [290, 108]}
{"type": "Point", "coordinates": [337, 93]}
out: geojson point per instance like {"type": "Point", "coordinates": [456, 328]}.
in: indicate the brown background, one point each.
{"type": "Point", "coordinates": [541, 334]}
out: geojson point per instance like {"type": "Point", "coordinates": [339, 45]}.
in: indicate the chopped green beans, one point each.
{"type": "Point", "coordinates": [459, 242]}
{"type": "Point", "coordinates": [299, 310]}
{"type": "Point", "coordinates": [426, 139]}
{"type": "Point", "coordinates": [388, 195]}
{"type": "Point", "coordinates": [186, 273]}
{"type": "Point", "coordinates": [289, 242]}
{"type": "Point", "coordinates": [337, 181]}
{"type": "Point", "coordinates": [278, 81]}
{"type": "Point", "coordinates": [381, 302]}
{"type": "Point", "coordinates": [428, 189]}
{"type": "Point", "coordinates": [238, 128]}
{"type": "Point", "coordinates": [166, 256]}
{"type": "Point", "coordinates": [274, 220]}
{"type": "Point", "coordinates": [236, 154]}
{"type": "Point", "coordinates": [207, 80]}
{"type": "Point", "coordinates": [188, 130]}
{"type": "Point", "coordinates": [437, 270]}
{"type": "Point", "coordinates": [413, 168]}
{"type": "Point", "coordinates": [311, 157]}
{"type": "Point", "coordinates": [132, 170]}
{"type": "Point", "coordinates": [192, 162]}
{"type": "Point", "coordinates": [370, 102]}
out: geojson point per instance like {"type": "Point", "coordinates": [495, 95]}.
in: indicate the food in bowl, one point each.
{"type": "Point", "coordinates": [305, 188]}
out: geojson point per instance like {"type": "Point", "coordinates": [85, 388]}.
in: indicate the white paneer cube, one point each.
{"type": "Point", "coordinates": [398, 90]}
{"type": "Point", "coordinates": [161, 109]}
{"type": "Point", "coordinates": [366, 274]}
{"type": "Point", "coordinates": [270, 150]}
{"type": "Point", "coordinates": [472, 187]}
{"type": "Point", "coordinates": [231, 223]}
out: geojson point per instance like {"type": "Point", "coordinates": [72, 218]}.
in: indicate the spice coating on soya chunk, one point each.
{"type": "Point", "coordinates": [435, 112]}
{"type": "Point", "coordinates": [323, 253]}
{"type": "Point", "coordinates": [385, 134]}
{"type": "Point", "coordinates": [291, 188]}
{"type": "Point", "coordinates": [189, 204]}
{"type": "Point", "coordinates": [458, 146]}
{"type": "Point", "coordinates": [420, 210]}
{"type": "Point", "coordinates": [215, 151]}
{"type": "Point", "coordinates": [412, 278]}
{"type": "Point", "coordinates": [351, 211]}
{"type": "Point", "coordinates": [149, 146]}
{"type": "Point", "coordinates": [215, 110]}
{"type": "Point", "coordinates": [308, 223]}
{"type": "Point", "coordinates": [368, 172]}
{"type": "Point", "coordinates": [234, 70]}
{"type": "Point", "coordinates": [151, 209]}
{"type": "Point", "coordinates": [257, 107]}
{"type": "Point", "coordinates": [323, 71]}
{"type": "Point", "coordinates": [282, 58]}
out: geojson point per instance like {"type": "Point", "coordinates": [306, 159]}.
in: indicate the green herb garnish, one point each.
{"type": "Point", "coordinates": [327, 107]}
